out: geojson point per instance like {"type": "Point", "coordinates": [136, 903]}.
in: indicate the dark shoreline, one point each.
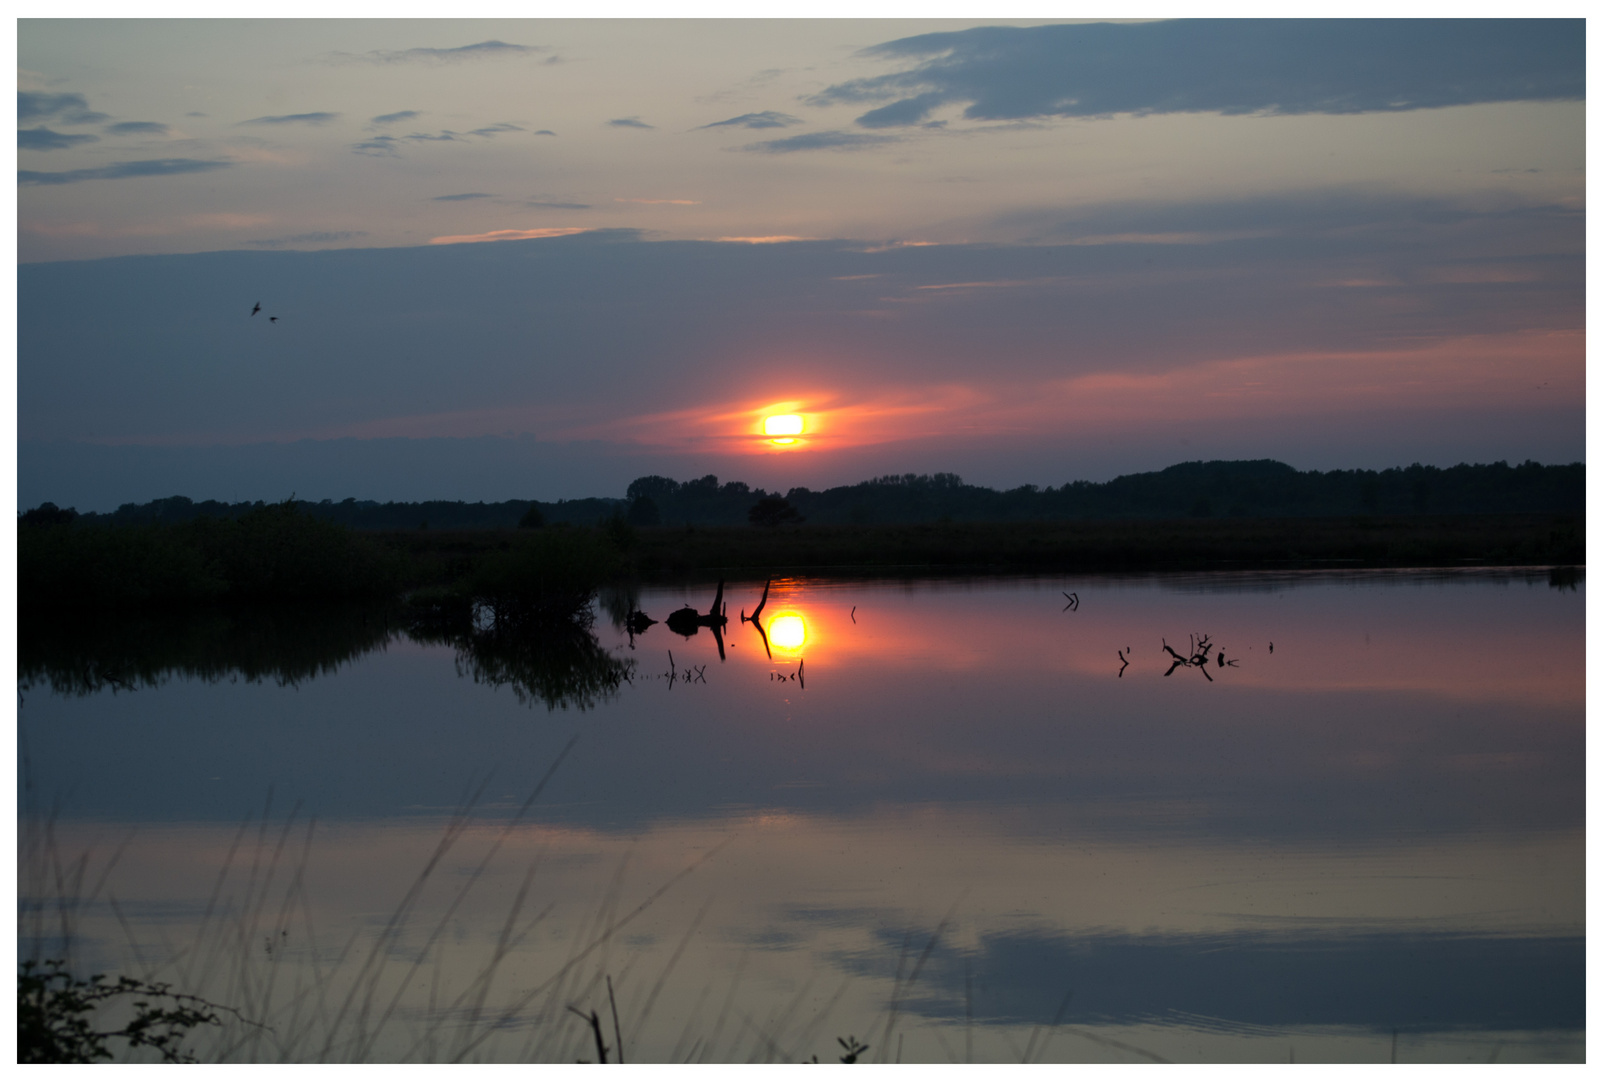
{"type": "Point", "coordinates": [668, 554]}
{"type": "Point", "coordinates": [281, 557]}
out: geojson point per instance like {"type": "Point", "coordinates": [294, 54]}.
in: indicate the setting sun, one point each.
{"type": "Point", "coordinates": [783, 427]}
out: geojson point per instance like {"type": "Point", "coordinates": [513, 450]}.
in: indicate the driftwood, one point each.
{"type": "Point", "coordinates": [687, 620]}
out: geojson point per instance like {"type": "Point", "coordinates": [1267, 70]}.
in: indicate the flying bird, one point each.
{"type": "Point", "coordinates": [272, 318]}
{"type": "Point", "coordinates": [257, 308]}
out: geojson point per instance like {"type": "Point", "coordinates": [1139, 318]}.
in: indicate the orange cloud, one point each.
{"type": "Point", "coordinates": [833, 422]}
{"type": "Point", "coordinates": [506, 234]}
{"type": "Point", "coordinates": [1538, 369]}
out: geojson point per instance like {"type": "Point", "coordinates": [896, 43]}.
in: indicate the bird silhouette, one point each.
{"type": "Point", "coordinates": [257, 308]}
{"type": "Point", "coordinates": [272, 318]}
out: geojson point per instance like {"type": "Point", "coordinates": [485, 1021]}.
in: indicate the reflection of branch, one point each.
{"type": "Point", "coordinates": [1197, 657]}
{"type": "Point", "coordinates": [1074, 602]}
{"type": "Point", "coordinates": [760, 604]}
{"type": "Point", "coordinates": [764, 635]}
{"type": "Point", "coordinates": [1123, 660]}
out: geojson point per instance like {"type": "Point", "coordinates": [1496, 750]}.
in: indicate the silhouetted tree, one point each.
{"type": "Point", "coordinates": [643, 512]}
{"type": "Point", "coordinates": [48, 514]}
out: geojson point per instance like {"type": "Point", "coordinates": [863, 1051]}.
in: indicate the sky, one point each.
{"type": "Point", "coordinates": [540, 258]}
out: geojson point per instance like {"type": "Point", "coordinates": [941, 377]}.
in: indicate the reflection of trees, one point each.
{"type": "Point", "coordinates": [558, 661]}
{"type": "Point", "coordinates": [124, 652]}
{"type": "Point", "coordinates": [559, 665]}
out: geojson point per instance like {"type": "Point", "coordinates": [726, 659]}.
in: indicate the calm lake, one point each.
{"type": "Point", "coordinates": [980, 820]}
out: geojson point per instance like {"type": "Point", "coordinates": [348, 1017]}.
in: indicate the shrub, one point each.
{"type": "Point", "coordinates": [55, 1011]}
{"type": "Point", "coordinates": [774, 511]}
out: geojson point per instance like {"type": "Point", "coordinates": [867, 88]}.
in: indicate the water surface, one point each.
{"type": "Point", "coordinates": [992, 818]}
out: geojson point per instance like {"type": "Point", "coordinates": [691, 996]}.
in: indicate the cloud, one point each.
{"type": "Point", "coordinates": [1231, 66]}
{"type": "Point", "coordinates": [1376, 220]}
{"type": "Point", "coordinates": [1136, 344]}
{"type": "Point", "coordinates": [538, 205]}
{"type": "Point", "coordinates": [763, 239]}
{"type": "Point", "coordinates": [545, 131]}
{"type": "Point", "coordinates": [307, 238]}
{"type": "Point", "coordinates": [137, 127]}
{"type": "Point", "coordinates": [506, 234]}
{"type": "Point", "coordinates": [388, 145]}
{"type": "Point", "coordinates": [42, 138]}
{"type": "Point", "coordinates": [484, 50]}
{"type": "Point", "coordinates": [820, 140]}
{"type": "Point", "coordinates": [122, 170]}
{"type": "Point", "coordinates": [295, 118]}
{"type": "Point", "coordinates": [767, 119]}
{"type": "Point", "coordinates": [631, 122]}
{"type": "Point", "coordinates": [662, 202]}
{"type": "Point", "coordinates": [464, 196]}
{"type": "Point", "coordinates": [377, 146]}
{"type": "Point", "coordinates": [63, 108]}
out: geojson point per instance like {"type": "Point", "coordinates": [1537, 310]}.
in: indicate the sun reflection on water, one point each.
{"type": "Point", "coordinates": [787, 632]}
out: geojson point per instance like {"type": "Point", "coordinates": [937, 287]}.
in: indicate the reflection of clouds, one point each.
{"type": "Point", "coordinates": [1187, 917]}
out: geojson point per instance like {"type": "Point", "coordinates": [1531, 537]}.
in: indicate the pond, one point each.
{"type": "Point", "coordinates": [1316, 816]}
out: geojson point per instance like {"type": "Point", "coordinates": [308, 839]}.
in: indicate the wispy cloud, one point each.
{"type": "Point", "coordinates": [762, 239]}
{"type": "Point", "coordinates": [536, 204]}
{"type": "Point", "coordinates": [464, 196]}
{"type": "Point", "coordinates": [123, 170]}
{"type": "Point", "coordinates": [821, 140]}
{"type": "Point", "coordinates": [389, 145]}
{"type": "Point", "coordinates": [42, 138]}
{"type": "Point", "coordinates": [662, 202]}
{"type": "Point", "coordinates": [506, 234]}
{"type": "Point", "coordinates": [483, 50]}
{"type": "Point", "coordinates": [314, 118]}
{"type": "Point", "coordinates": [396, 117]}
{"type": "Point", "coordinates": [976, 285]}
{"type": "Point", "coordinates": [307, 238]}
{"type": "Point", "coordinates": [1230, 66]}
{"type": "Point", "coordinates": [630, 122]}
{"type": "Point", "coordinates": [766, 119]}
{"type": "Point", "coordinates": [377, 146]}
{"type": "Point", "coordinates": [137, 127]}
{"type": "Point", "coordinates": [35, 105]}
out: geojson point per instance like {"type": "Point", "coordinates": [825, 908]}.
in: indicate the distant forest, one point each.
{"type": "Point", "coordinates": [1264, 489]}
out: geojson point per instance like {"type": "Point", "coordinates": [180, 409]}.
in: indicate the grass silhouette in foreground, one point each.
{"type": "Point", "coordinates": [349, 1002]}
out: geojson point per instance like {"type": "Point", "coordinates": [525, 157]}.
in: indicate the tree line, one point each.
{"type": "Point", "coordinates": [1197, 489]}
